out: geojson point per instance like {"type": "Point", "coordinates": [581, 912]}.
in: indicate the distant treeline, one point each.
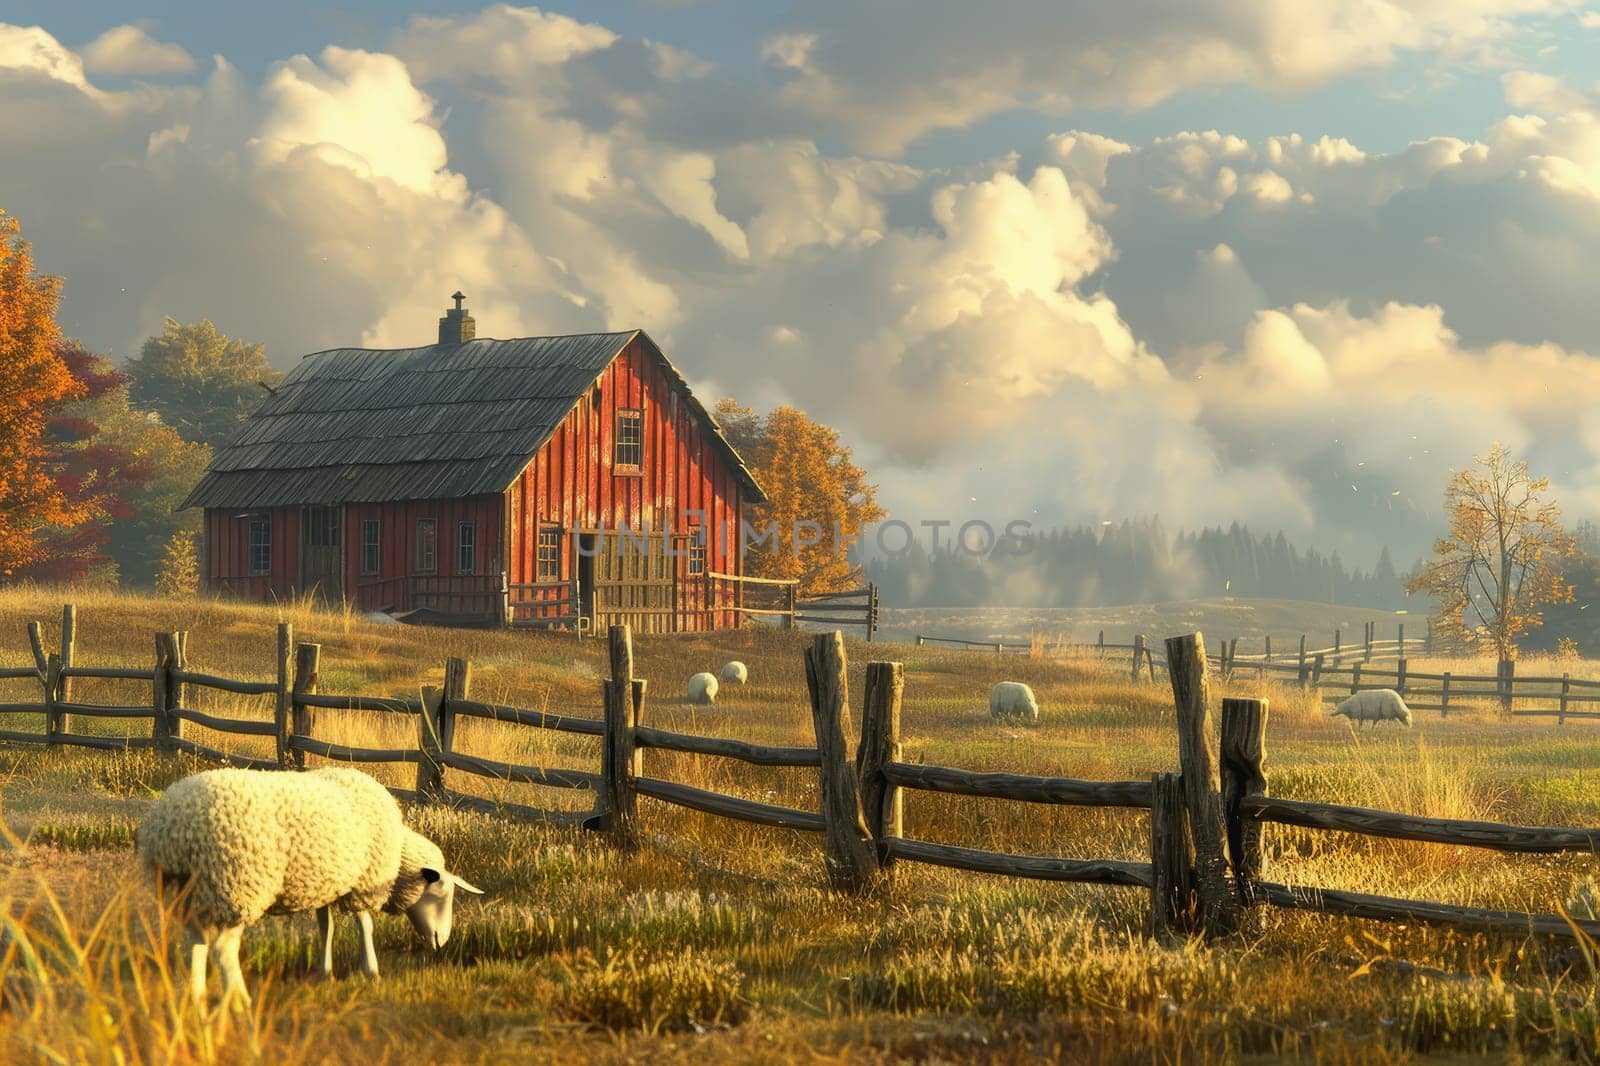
{"type": "Point", "coordinates": [1135, 561]}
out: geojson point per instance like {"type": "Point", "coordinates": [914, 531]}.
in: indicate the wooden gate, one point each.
{"type": "Point", "coordinates": [633, 582]}
{"type": "Point", "coordinates": [322, 552]}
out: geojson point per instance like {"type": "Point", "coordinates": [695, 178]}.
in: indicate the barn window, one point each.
{"type": "Point", "coordinates": [371, 554]}
{"type": "Point", "coordinates": [630, 438]}
{"type": "Point", "coordinates": [549, 559]}
{"type": "Point", "coordinates": [697, 553]}
{"type": "Point", "coordinates": [322, 527]}
{"type": "Point", "coordinates": [260, 547]}
{"type": "Point", "coordinates": [427, 546]}
{"type": "Point", "coordinates": [466, 548]}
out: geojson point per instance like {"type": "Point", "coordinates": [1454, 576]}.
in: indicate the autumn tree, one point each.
{"type": "Point", "coordinates": [1501, 562]}
{"type": "Point", "coordinates": [33, 382]}
{"type": "Point", "coordinates": [95, 475]}
{"type": "Point", "coordinates": [814, 489]}
{"type": "Point", "coordinates": [179, 574]}
{"type": "Point", "coordinates": [199, 380]}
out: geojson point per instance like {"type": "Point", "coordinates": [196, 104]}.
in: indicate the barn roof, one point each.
{"type": "Point", "coordinates": [363, 425]}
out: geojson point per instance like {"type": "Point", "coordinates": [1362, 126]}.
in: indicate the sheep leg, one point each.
{"type": "Point", "coordinates": [197, 966]}
{"type": "Point", "coordinates": [369, 954]}
{"type": "Point", "coordinates": [226, 946]}
{"type": "Point", "coordinates": [325, 931]}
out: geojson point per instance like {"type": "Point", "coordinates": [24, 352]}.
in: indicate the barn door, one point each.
{"type": "Point", "coordinates": [633, 583]}
{"type": "Point", "coordinates": [322, 552]}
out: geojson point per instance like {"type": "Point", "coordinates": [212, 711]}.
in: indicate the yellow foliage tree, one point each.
{"type": "Point", "coordinates": [1499, 565]}
{"type": "Point", "coordinates": [815, 490]}
{"type": "Point", "coordinates": [34, 380]}
{"type": "Point", "coordinates": [180, 566]}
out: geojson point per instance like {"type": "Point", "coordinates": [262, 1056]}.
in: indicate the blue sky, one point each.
{"type": "Point", "coordinates": [997, 245]}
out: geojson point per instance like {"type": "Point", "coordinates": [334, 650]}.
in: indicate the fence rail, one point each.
{"type": "Point", "coordinates": [1206, 873]}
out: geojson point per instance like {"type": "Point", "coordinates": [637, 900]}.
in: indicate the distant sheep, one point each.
{"type": "Point", "coordinates": [1012, 699]}
{"type": "Point", "coordinates": [245, 843]}
{"type": "Point", "coordinates": [1375, 705]}
{"type": "Point", "coordinates": [703, 689]}
{"type": "Point", "coordinates": [734, 673]}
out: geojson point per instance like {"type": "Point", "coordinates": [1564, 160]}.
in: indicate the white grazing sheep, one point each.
{"type": "Point", "coordinates": [1375, 705]}
{"type": "Point", "coordinates": [703, 688]}
{"type": "Point", "coordinates": [1012, 699]}
{"type": "Point", "coordinates": [243, 843]}
{"type": "Point", "coordinates": [734, 673]}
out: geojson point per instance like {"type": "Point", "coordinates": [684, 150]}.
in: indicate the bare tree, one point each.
{"type": "Point", "coordinates": [1499, 565]}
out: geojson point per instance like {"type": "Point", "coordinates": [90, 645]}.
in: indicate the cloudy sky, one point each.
{"type": "Point", "coordinates": [1058, 260]}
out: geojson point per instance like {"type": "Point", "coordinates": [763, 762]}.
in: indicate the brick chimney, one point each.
{"type": "Point", "coordinates": [457, 327]}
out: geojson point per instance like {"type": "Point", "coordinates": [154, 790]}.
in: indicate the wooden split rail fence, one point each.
{"type": "Point", "coordinates": [1206, 870]}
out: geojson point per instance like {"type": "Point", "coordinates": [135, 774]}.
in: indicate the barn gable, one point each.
{"type": "Point", "coordinates": [356, 425]}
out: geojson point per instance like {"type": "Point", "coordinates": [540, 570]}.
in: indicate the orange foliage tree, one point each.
{"type": "Point", "coordinates": [809, 477]}
{"type": "Point", "coordinates": [34, 380]}
{"type": "Point", "coordinates": [1500, 563]}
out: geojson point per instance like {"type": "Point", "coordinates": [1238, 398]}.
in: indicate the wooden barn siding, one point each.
{"type": "Point", "coordinates": [398, 585]}
{"type": "Point", "coordinates": [572, 484]}
{"type": "Point", "coordinates": [228, 553]}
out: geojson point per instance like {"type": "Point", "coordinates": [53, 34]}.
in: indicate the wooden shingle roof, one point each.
{"type": "Point", "coordinates": [360, 425]}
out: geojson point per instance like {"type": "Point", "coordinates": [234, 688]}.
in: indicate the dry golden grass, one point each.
{"type": "Point", "coordinates": [717, 941]}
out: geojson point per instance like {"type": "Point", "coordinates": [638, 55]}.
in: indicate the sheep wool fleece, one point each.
{"type": "Point", "coordinates": [251, 843]}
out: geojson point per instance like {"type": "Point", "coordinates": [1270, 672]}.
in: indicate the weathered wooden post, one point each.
{"type": "Point", "coordinates": [1402, 640]}
{"type": "Point", "coordinates": [1444, 696]}
{"type": "Point", "coordinates": [620, 758]}
{"type": "Point", "coordinates": [52, 696]}
{"type": "Point", "coordinates": [1101, 645]}
{"type": "Point", "coordinates": [1366, 652]}
{"type": "Point", "coordinates": [1400, 676]}
{"type": "Point", "coordinates": [1304, 675]}
{"type": "Point", "coordinates": [881, 802]}
{"type": "Point", "coordinates": [1355, 678]}
{"type": "Point", "coordinates": [503, 604]}
{"type": "Point", "coordinates": [1566, 689]}
{"type": "Point", "coordinates": [176, 651]}
{"type": "Point", "coordinates": [919, 640]}
{"type": "Point", "coordinates": [283, 702]}
{"type": "Point", "coordinates": [1202, 784]}
{"type": "Point", "coordinates": [1172, 904]}
{"type": "Point", "coordinates": [158, 700]}
{"type": "Point", "coordinates": [430, 770]}
{"type": "Point", "coordinates": [1268, 656]}
{"type": "Point", "coordinates": [1316, 672]}
{"type": "Point", "coordinates": [872, 609]}
{"type": "Point", "coordinates": [1508, 674]}
{"type": "Point", "coordinates": [36, 642]}
{"type": "Point", "coordinates": [1138, 653]}
{"type": "Point", "coordinates": [1338, 636]}
{"type": "Point", "coordinates": [61, 723]}
{"type": "Point", "coordinates": [851, 859]}
{"type": "Point", "coordinates": [307, 662]}
{"type": "Point", "coordinates": [1244, 752]}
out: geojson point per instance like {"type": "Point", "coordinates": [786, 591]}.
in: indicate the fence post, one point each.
{"type": "Point", "coordinates": [1400, 676]}
{"type": "Point", "coordinates": [430, 771]}
{"type": "Point", "coordinates": [1244, 751]}
{"type": "Point", "coordinates": [872, 609]}
{"type": "Point", "coordinates": [178, 659]}
{"type": "Point", "coordinates": [62, 723]}
{"type": "Point", "coordinates": [1355, 678]}
{"type": "Point", "coordinates": [158, 699]}
{"type": "Point", "coordinates": [881, 802]}
{"type": "Point", "coordinates": [1316, 672]}
{"type": "Point", "coordinates": [1202, 784]}
{"type": "Point", "coordinates": [1444, 696]}
{"type": "Point", "coordinates": [1150, 661]}
{"type": "Point", "coordinates": [504, 604]}
{"type": "Point", "coordinates": [1402, 640]}
{"type": "Point", "coordinates": [1172, 907]}
{"type": "Point", "coordinates": [1366, 652]}
{"type": "Point", "coordinates": [1338, 635]}
{"type": "Point", "coordinates": [919, 640]}
{"type": "Point", "coordinates": [1138, 653]}
{"type": "Point", "coordinates": [1508, 673]}
{"type": "Point", "coordinates": [620, 761]}
{"type": "Point", "coordinates": [1566, 688]}
{"type": "Point", "coordinates": [285, 695]}
{"type": "Point", "coordinates": [36, 642]}
{"type": "Point", "coordinates": [1268, 657]}
{"type": "Point", "coordinates": [851, 860]}
{"type": "Point", "coordinates": [307, 662]}
{"type": "Point", "coordinates": [1303, 676]}
{"type": "Point", "coordinates": [52, 695]}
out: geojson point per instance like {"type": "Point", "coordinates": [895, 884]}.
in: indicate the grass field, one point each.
{"type": "Point", "coordinates": [718, 942]}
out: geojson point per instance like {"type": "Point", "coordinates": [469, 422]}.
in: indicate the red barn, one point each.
{"type": "Point", "coordinates": [539, 480]}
